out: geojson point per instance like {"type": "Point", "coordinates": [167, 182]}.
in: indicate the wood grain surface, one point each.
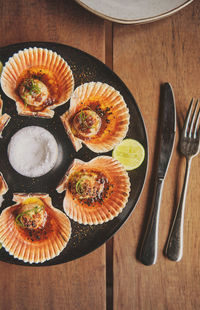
{"type": "Point", "coordinates": [146, 56]}
{"type": "Point", "coordinates": [79, 284]}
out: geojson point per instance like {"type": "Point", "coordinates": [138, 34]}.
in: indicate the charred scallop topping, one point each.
{"type": "Point", "coordinates": [86, 122]}
{"type": "Point", "coordinates": [89, 186]}
{"type": "Point", "coordinates": [33, 92]}
{"type": "Point", "coordinates": [103, 113]}
{"type": "Point", "coordinates": [32, 216]}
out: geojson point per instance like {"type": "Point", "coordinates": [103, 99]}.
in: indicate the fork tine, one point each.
{"type": "Point", "coordinates": [187, 119]}
{"type": "Point", "coordinates": [197, 124]}
{"type": "Point", "coordinates": [193, 119]}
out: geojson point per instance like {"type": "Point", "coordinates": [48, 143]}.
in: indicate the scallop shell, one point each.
{"type": "Point", "coordinates": [43, 59]}
{"type": "Point", "coordinates": [4, 119]}
{"type": "Point", "coordinates": [111, 105]}
{"type": "Point", "coordinates": [3, 185]}
{"type": "Point", "coordinates": [21, 246]}
{"type": "Point", "coordinates": [113, 202]}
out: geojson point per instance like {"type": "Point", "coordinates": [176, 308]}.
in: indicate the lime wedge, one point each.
{"type": "Point", "coordinates": [130, 153]}
{"type": "Point", "coordinates": [0, 245]}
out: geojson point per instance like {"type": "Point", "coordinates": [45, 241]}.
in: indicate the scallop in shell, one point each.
{"type": "Point", "coordinates": [96, 191]}
{"type": "Point", "coordinates": [38, 80]}
{"type": "Point", "coordinates": [4, 118]}
{"type": "Point", "coordinates": [98, 117]}
{"type": "Point", "coordinates": [33, 230]}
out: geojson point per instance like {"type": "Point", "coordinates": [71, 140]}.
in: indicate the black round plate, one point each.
{"type": "Point", "coordinates": [86, 68]}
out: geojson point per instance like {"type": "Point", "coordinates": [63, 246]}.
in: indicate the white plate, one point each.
{"type": "Point", "coordinates": [133, 11]}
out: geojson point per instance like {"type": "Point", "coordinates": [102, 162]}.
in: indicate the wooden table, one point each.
{"type": "Point", "coordinates": [144, 56]}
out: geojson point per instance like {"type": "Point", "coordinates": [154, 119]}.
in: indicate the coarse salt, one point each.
{"type": "Point", "coordinates": [32, 151]}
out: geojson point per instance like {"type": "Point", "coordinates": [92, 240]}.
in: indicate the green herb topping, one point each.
{"type": "Point", "coordinates": [83, 118]}
{"type": "Point", "coordinates": [79, 186]}
{"type": "Point", "coordinates": [35, 210]}
{"type": "Point", "coordinates": [31, 86]}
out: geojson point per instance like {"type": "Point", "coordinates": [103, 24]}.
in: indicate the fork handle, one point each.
{"type": "Point", "coordinates": [148, 251]}
{"type": "Point", "coordinates": [174, 246]}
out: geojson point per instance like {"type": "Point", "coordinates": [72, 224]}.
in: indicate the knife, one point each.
{"type": "Point", "coordinates": [148, 252]}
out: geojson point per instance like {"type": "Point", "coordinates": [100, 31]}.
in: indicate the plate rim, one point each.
{"type": "Point", "coordinates": [135, 21]}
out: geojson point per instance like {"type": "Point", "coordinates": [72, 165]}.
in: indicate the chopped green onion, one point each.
{"type": "Point", "coordinates": [31, 86]}
{"type": "Point", "coordinates": [83, 117]}
{"type": "Point", "coordinates": [36, 210]}
{"type": "Point", "coordinates": [78, 186]}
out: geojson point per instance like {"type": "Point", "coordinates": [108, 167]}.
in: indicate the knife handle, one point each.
{"type": "Point", "coordinates": [148, 253]}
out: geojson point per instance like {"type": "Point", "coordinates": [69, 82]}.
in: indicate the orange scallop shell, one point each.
{"type": "Point", "coordinates": [21, 247]}
{"type": "Point", "coordinates": [3, 185]}
{"type": "Point", "coordinates": [4, 118]}
{"type": "Point", "coordinates": [112, 204]}
{"type": "Point", "coordinates": [43, 59]}
{"type": "Point", "coordinates": [113, 130]}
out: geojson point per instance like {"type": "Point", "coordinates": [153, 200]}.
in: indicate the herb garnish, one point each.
{"type": "Point", "coordinates": [79, 188]}
{"type": "Point", "coordinates": [31, 86]}
{"type": "Point", "coordinates": [83, 117]}
{"type": "Point", "coordinates": [36, 210]}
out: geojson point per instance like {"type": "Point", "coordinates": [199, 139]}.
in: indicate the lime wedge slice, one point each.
{"type": "Point", "coordinates": [130, 153]}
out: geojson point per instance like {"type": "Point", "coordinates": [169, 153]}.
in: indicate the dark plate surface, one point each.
{"type": "Point", "coordinates": [86, 68]}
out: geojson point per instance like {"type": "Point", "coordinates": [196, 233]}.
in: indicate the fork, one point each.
{"type": "Point", "coordinates": [189, 147]}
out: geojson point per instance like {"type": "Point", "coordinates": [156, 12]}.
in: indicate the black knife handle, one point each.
{"type": "Point", "coordinates": [148, 253]}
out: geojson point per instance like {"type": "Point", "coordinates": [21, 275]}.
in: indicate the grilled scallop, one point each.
{"type": "Point", "coordinates": [38, 80]}
{"type": "Point", "coordinates": [97, 116]}
{"type": "Point", "coordinates": [96, 191]}
{"type": "Point", "coordinates": [33, 230]}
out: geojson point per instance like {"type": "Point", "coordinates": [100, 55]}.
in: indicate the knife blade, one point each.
{"type": "Point", "coordinates": [148, 252]}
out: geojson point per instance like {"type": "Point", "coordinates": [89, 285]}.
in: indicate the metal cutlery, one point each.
{"type": "Point", "coordinates": [148, 252]}
{"type": "Point", "coordinates": [189, 147]}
